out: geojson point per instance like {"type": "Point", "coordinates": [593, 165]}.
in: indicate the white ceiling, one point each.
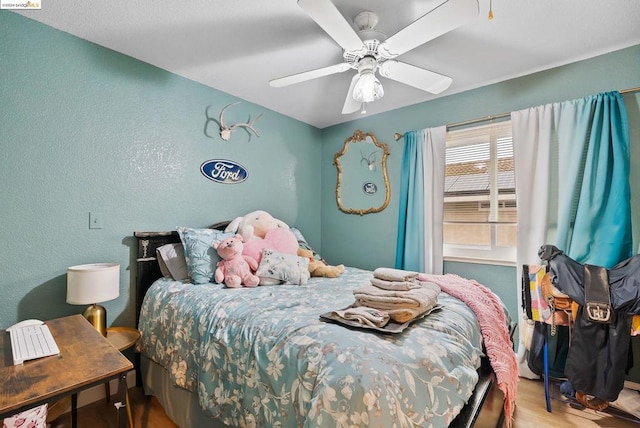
{"type": "Point", "coordinates": [237, 46]}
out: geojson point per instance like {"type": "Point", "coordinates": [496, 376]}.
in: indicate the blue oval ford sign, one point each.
{"type": "Point", "coordinates": [224, 171]}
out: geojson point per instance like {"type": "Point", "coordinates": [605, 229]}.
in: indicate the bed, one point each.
{"type": "Point", "coordinates": [262, 357]}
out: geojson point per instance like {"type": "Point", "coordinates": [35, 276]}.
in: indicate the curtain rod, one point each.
{"type": "Point", "coordinates": [489, 118]}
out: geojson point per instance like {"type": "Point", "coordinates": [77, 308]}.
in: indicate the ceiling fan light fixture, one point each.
{"type": "Point", "coordinates": [368, 88]}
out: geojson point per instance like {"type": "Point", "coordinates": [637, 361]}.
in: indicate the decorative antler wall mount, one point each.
{"type": "Point", "coordinates": [226, 130]}
{"type": "Point", "coordinates": [370, 160]}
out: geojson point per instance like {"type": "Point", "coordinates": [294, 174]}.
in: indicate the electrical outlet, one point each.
{"type": "Point", "coordinates": [95, 220]}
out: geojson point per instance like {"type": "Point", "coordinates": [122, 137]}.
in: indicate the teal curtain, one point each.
{"type": "Point", "coordinates": [594, 212]}
{"type": "Point", "coordinates": [572, 185]}
{"type": "Point", "coordinates": [409, 242]}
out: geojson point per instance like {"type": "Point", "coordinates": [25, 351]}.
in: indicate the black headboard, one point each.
{"type": "Point", "coordinates": [147, 268]}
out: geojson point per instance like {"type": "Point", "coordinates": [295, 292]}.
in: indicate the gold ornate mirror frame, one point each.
{"type": "Point", "coordinates": [358, 137]}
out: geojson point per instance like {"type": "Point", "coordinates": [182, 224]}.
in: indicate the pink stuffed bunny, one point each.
{"type": "Point", "coordinates": [260, 230]}
{"type": "Point", "coordinates": [235, 268]}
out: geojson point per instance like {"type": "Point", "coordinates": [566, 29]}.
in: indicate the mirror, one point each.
{"type": "Point", "coordinates": [363, 184]}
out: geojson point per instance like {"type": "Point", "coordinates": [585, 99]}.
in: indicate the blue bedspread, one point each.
{"type": "Point", "coordinates": [262, 357]}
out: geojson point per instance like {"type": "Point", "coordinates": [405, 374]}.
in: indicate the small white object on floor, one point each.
{"type": "Point", "coordinates": [628, 401]}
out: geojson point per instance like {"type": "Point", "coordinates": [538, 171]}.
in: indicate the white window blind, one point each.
{"type": "Point", "coordinates": [479, 205]}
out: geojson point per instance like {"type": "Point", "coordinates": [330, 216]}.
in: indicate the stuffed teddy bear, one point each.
{"type": "Point", "coordinates": [235, 269]}
{"type": "Point", "coordinates": [320, 268]}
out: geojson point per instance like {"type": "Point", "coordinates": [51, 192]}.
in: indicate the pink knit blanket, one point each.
{"type": "Point", "coordinates": [493, 325]}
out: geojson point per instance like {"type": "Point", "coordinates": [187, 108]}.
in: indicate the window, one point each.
{"type": "Point", "coordinates": [480, 214]}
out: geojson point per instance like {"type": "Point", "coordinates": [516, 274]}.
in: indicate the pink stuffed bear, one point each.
{"type": "Point", "coordinates": [235, 268]}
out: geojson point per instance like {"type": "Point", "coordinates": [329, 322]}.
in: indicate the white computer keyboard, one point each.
{"type": "Point", "coordinates": [29, 343]}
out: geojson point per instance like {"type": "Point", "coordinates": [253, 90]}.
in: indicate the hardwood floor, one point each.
{"type": "Point", "coordinates": [530, 412]}
{"type": "Point", "coordinates": [147, 413]}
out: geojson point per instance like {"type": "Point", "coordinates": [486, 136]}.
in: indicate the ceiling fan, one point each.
{"type": "Point", "coordinates": [368, 50]}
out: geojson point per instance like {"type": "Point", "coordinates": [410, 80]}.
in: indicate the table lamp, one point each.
{"type": "Point", "coordinates": [91, 284]}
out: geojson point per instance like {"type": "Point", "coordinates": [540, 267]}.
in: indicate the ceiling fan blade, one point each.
{"type": "Point", "coordinates": [417, 77]}
{"type": "Point", "coordinates": [308, 75]}
{"type": "Point", "coordinates": [350, 104]}
{"type": "Point", "coordinates": [329, 18]}
{"type": "Point", "coordinates": [440, 20]}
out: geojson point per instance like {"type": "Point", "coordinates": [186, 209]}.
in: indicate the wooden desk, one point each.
{"type": "Point", "coordinates": [86, 359]}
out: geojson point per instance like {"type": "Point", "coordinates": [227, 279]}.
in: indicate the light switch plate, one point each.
{"type": "Point", "coordinates": [95, 220]}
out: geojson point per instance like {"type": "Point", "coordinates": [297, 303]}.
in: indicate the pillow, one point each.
{"type": "Point", "coordinates": [199, 253]}
{"type": "Point", "coordinates": [286, 268]}
{"type": "Point", "coordinates": [302, 243]}
{"type": "Point", "coordinates": [172, 262]}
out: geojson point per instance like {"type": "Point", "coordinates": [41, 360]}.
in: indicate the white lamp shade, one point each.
{"type": "Point", "coordinates": [93, 283]}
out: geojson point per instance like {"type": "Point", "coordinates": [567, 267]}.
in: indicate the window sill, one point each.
{"type": "Point", "coordinates": [482, 261]}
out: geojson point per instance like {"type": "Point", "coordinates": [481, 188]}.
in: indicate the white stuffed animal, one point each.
{"type": "Point", "coordinates": [256, 224]}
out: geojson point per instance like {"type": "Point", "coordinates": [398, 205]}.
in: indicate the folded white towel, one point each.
{"type": "Point", "coordinates": [390, 274]}
{"type": "Point", "coordinates": [395, 285]}
{"type": "Point", "coordinates": [402, 306]}
{"type": "Point", "coordinates": [365, 316]}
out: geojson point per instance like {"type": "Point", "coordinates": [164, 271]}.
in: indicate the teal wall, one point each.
{"type": "Point", "coordinates": [85, 129]}
{"type": "Point", "coordinates": [369, 241]}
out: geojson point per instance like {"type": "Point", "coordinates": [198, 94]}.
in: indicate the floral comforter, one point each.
{"type": "Point", "coordinates": [262, 356]}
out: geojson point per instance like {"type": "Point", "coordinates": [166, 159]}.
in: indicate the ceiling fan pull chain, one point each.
{"type": "Point", "coordinates": [490, 17]}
